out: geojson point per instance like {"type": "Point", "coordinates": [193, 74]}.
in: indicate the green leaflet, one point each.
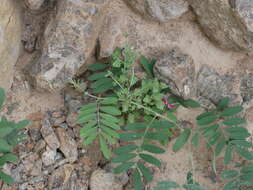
{"type": "Point", "coordinates": [97, 76]}
{"type": "Point", "coordinates": [244, 153]}
{"type": "Point", "coordinates": [137, 180]}
{"type": "Point", "coordinates": [126, 149]}
{"type": "Point", "coordinates": [104, 148]}
{"type": "Point", "coordinates": [242, 143]}
{"type": "Point", "coordinates": [136, 126]}
{"type": "Point", "coordinates": [130, 136]}
{"type": "Point", "coordinates": [4, 146]}
{"type": "Point", "coordinates": [247, 169]}
{"type": "Point", "coordinates": [145, 171]}
{"type": "Point", "coordinates": [8, 158]}
{"type": "Point", "coordinates": [97, 67]}
{"type": "Point", "coordinates": [232, 111]}
{"type": "Point", "coordinates": [150, 159]}
{"type": "Point", "coordinates": [207, 120]}
{"type": "Point", "coordinates": [181, 140]}
{"type": "Point", "coordinates": [247, 177]}
{"type": "Point", "coordinates": [90, 139]}
{"type": "Point", "coordinates": [123, 167]}
{"type": "Point", "coordinates": [229, 174]}
{"type": "Point", "coordinates": [223, 103]}
{"type": "Point", "coordinates": [2, 97]}
{"type": "Point", "coordinates": [110, 124]}
{"type": "Point", "coordinates": [206, 114]}
{"type": "Point", "coordinates": [231, 185]}
{"type": "Point", "coordinates": [109, 138]}
{"type": "Point", "coordinates": [22, 124]}
{"type": "Point", "coordinates": [228, 154]}
{"type": "Point", "coordinates": [191, 103]}
{"type": "Point", "coordinates": [147, 65]}
{"type": "Point", "coordinates": [5, 131]}
{"type": "Point", "coordinates": [86, 118]}
{"type": "Point", "coordinates": [195, 139]}
{"type": "Point", "coordinates": [88, 106]}
{"type": "Point", "coordinates": [124, 157]}
{"type": "Point", "coordinates": [166, 185]}
{"type": "Point", "coordinates": [156, 136]}
{"type": "Point", "coordinates": [6, 178]}
{"type": "Point", "coordinates": [234, 121]}
{"type": "Point", "coordinates": [193, 187]}
{"type": "Point", "coordinates": [161, 125]}
{"type": "Point", "coordinates": [109, 100]}
{"type": "Point", "coordinates": [109, 117]}
{"type": "Point", "coordinates": [220, 146]}
{"type": "Point", "coordinates": [110, 110]}
{"type": "Point", "coordinates": [152, 149]}
{"type": "Point", "coordinates": [110, 131]}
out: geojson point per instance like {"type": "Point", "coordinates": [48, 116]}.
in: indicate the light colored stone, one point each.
{"type": "Point", "coordinates": [34, 4]}
{"type": "Point", "coordinates": [48, 157]}
{"type": "Point", "coordinates": [10, 40]}
{"type": "Point", "coordinates": [159, 10]}
{"type": "Point", "coordinates": [70, 39]}
{"type": "Point", "coordinates": [229, 23]}
{"type": "Point", "coordinates": [68, 145]}
{"type": "Point", "coordinates": [178, 71]}
{"type": "Point", "coordinates": [49, 135]}
{"type": "Point", "coordinates": [101, 180]}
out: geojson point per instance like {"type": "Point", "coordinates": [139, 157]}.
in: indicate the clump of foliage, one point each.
{"type": "Point", "coordinates": [139, 113]}
{"type": "Point", "coordinates": [10, 136]}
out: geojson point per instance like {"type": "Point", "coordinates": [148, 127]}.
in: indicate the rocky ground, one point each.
{"type": "Point", "coordinates": [203, 52]}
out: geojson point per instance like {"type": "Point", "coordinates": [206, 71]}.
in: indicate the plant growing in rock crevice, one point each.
{"type": "Point", "coordinates": [140, 113]}
{"type": "Point", "coordinates": [10, 136]}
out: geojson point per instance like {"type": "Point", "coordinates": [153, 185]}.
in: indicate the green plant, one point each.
{"type": "Point", "coordinates": [140, 113]}
{"type": "Point", "coordinates": [9, 137]}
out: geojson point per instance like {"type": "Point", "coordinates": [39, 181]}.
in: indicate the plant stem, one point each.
{"type": "Point", "coordinates": [92, 96]}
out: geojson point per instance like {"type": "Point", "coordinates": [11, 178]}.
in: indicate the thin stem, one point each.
{"type": "Point", "coordinates": [146, 130]}
{"type": "Point", "coordinates": [131, 81]}
{"type": "Point", "coordinates": [156, 114]}
{"type": "Point", "coordinates": [116, 82]}
{"type": "Point", "coordinates": [92, 96]}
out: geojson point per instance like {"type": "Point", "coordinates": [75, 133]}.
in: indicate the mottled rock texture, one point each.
{"type": "Point", "coordinates": [70, 39]}
{"type": "Point", "coordinates": [178, 71]}
{"type": "Point", "coordinates": [227, 22]}
{"type": "Point", "coordinates": [159, 10]}
{"type": "Point", "coordinates": [10, 37]}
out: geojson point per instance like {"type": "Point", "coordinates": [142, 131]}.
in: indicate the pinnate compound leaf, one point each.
{"type": "Point", "coordinates": [126, 149]}
{"type": "Point", "coordinates": [123, 167]}
{"type": "Point", "coordinates": [137, 181]}
{"type": "Point", "coordinates": [150, 159]}
{"type": "Point", "coordinates": [145, 172]}
{"type": "Point", "coordinates": [229, 174]}
{"type": "Point", "coordinates": [181, 140]}
{"type": "Point", "coordinates": [232, 111]}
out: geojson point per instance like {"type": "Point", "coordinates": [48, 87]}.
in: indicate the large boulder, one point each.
{"type": "Point", "coordinates": [159, 10]}
{"type": "Point", "coordinates": [10, 38]}
{"type": "Point", "coordinates": [70, 39]}
{"type": "Point", "coordinates": [229, 23]}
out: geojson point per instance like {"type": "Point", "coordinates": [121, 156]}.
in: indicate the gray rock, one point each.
{"type": "Point", "coordinates": [70, 39]}
{"type": "Point", "coordinates": [49, 135]}
{"type": "Point", "coordinates": [159, 10]}
{"type": "Point", "coordinates": [177, 70]}
{"type": "Point", "coordinates": [212, 87]}
{"type": "Point", "coordinates": [34, 4]}
{"type": "Point", "coordinates": [68, 145]}
{"type": "Point", "coordinates": [229, 23]}
{"type": "Point", "coordinates": [247, 87]}
{"type": "Point", "coordinates": [101, 180]}
{"type": "Point", "coordinates": [49, 157]}
{"type": "Point", "coordinates": [10, 38]}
